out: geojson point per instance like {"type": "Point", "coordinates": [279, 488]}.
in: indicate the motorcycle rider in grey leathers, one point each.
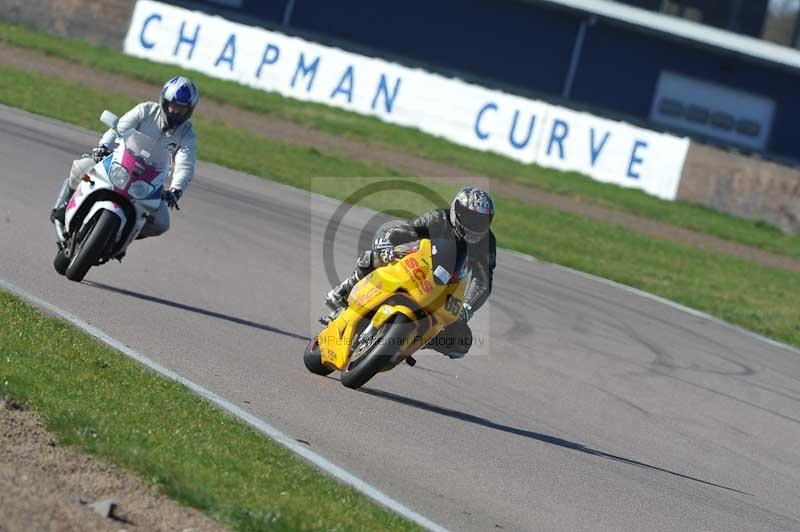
{"type": "Point", "coordinates": [167, 121]}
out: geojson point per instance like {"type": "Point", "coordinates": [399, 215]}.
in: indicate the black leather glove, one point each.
{"type": "Point", "coordinates": [172, 196]}
{"type": "Point", "coordinates": [385, 249]}
{"type": "Point", "coordinates": [100, 152]}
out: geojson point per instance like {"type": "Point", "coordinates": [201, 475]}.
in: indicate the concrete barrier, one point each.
{"type": "Point", "coordinates": [100, 22]}
{"type": "Point", "coordinates": [744, 186]}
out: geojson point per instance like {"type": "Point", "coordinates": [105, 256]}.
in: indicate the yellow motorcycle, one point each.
{"type": "Point", "coordinates": [393, 312]}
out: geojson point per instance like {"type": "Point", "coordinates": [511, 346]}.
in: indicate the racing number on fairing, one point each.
{"type": "Point", "coordinates": [452, 305]}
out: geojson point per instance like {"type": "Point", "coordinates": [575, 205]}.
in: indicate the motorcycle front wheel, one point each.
{"type": "Point", "coordinates": [313, 360]}
{"type": "Point", "coordinates": [90, 249]}
{"type": "Point", "coordinates": [387, 342]}
{"type": "Point", "coordinates": [61, 262]}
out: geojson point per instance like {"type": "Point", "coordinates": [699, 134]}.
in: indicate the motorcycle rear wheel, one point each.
{"type": "Point", "coordinates": [391, 338]}
{"type": "Point", "coordinates": [90, 249]}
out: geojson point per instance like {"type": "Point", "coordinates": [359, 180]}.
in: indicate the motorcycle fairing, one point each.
{"type": "Point", "coordinates": [97, 188]}
{"type": "Point", "coordinates": [422, 299]}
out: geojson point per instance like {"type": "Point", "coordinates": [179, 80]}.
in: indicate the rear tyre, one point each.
{"type": "Point", "coordinates": [312, 358]}
{"type": "Point", "coordinates": [90, 249]}
{"type": "Point", "coordinates": [390, 339]}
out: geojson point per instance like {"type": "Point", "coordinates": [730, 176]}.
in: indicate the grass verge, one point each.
{"type": "Point", "coordinates": [202, 457]}
{"type": "Point", "coordinates": [112, 407]}
{"type": "Point", "coordinates": [371, 130]}
{"type": "Point", "coordinates": [218, 142]}
{"type": "Point", "coordinates": [755, 297]}
{"type": "Point", "coordinates": [759, 298]}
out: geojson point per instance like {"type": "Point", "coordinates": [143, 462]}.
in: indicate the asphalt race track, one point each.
{"type": "Point", "coordinates": [587, 406]}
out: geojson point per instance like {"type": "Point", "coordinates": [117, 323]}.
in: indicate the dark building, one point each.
{"type": "Point", "coordinates": [746, 17]}
{"type": "Point", "coordinates": [675, 72]}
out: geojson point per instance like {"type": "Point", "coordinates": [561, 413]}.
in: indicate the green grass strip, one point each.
{"type": "Point", "coordinates": [202, 457]}
{"type": "Point", "coordinates": [371, 130]}
{"type": "Point", "coordinates": [759, 298]}
{"type": "Point", "coordinates": [217, 142]}
{"type": "Point", "coordinates": [112, 407]}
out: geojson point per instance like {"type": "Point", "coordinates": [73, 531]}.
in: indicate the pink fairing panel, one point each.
{"type": "Point", "coordinates": [138, 170]}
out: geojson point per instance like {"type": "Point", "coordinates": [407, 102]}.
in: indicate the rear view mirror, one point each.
{"type": "Point", "coordinates": [109, 119]}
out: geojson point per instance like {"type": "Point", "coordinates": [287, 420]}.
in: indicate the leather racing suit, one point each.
{"type": "Point", "coordinates": [456, 340]}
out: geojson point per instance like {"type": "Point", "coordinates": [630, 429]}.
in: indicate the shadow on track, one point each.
{"type": "Point", "coordinates": [197, 310]}
{"type": "Point", "coordinates": [552, 440]}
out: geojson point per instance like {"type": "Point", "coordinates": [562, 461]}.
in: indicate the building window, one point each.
{"type": "Point", "coordinates": [227, 3]}
{"type": "Point", "coordinates": [680, 9]}
{"type": "Point", "coordinates": [780, 25]}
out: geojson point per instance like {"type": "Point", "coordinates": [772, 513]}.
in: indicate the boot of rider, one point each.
{"type": "Point", "coordinates": [337, 298]}
{"type": "Point", "coordinates": [60, 206]}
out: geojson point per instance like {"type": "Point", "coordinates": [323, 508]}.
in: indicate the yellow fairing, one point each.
{"type": "Point", "coordinates": [387, 311]}
{"type": "Point", "coordinates": [412, 276]}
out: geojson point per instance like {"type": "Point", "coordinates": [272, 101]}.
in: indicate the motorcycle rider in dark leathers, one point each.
{"type": "Point", "coordinates": [467, 221]}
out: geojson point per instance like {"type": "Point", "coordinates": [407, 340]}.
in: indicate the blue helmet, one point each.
{"type": "Point", "coordinates": [471, 214]}
{"type": "Point", "coordinates": [178, 99]}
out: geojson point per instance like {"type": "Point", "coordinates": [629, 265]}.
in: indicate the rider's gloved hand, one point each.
{"type": "Point", "coordinates": [172, 196]}
{"type": "Point", "coordinates": [385, 249]}
{"type": "Point", "coordinates": [466, 313]}
{"type": "Point", "coordinates": [100, 152]}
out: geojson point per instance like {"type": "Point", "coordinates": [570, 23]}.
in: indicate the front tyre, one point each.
{"type": "Point", "coordinates": [387, 342]}
{"type": "Point", "coordinates": [313, 359]}
{"type": "Point", "coordinates": [61, 262]}
{"type": "Point", "coordinates": [94, 243]}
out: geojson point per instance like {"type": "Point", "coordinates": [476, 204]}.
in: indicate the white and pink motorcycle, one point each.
{"type": "Point", "coordinates": [112, 203]}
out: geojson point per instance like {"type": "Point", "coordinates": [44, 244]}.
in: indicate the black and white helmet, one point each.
{"type": "Point", "coordinates": [179, 97]}
{"type": "Point", "coordinates": [471, 214]}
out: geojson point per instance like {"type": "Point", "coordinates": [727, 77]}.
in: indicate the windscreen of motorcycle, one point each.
{"type": "Point", "coordinates": [148, 150]}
